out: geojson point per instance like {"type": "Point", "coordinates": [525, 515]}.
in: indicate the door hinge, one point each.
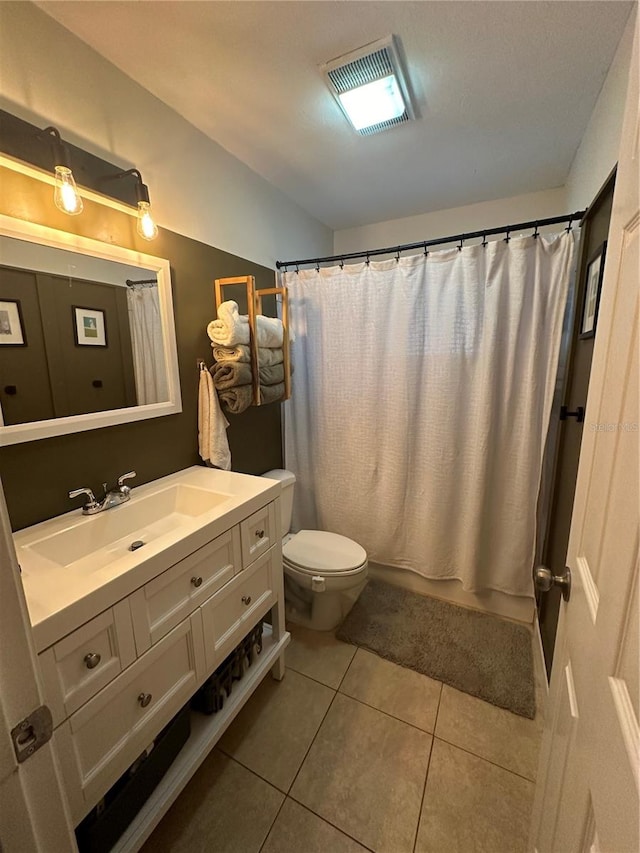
{"type": "Point", "coordinates": [32, 733]}
{"type": "Point", "coordinates": [578, 414]}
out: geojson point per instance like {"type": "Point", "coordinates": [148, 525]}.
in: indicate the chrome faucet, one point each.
{"type": "Point", "coordinates": [112, 497]}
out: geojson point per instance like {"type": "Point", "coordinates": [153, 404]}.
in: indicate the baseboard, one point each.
{"type": "Point", "coordinates": [520, 608]}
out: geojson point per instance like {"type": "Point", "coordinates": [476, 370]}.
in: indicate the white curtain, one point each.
{"type": "Point", "coordinates": [420, 405]}
{"type": "Point", "coordinates": [148, 349]}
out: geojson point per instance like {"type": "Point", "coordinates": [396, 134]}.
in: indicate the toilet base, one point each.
{"type": "Point", "coordinates": [320, 611]}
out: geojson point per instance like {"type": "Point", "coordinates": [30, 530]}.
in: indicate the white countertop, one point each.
{"type": "Point", "coordinates": [60, 598]}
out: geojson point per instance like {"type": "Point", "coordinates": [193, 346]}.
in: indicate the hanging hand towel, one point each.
{"type": "Point", "coordinates": [237, 399]}
{"type": "Point", "coordinates": [228, 374]}
{"type": "Point", "coordinates": [213, 445]}
{"type": "Point", "coordinates": [271, 393]}
{"type": "Point", "coordinates": [266, 357]}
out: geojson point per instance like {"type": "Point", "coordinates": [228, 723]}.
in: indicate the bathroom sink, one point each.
{"type": "Point", "coordinates": [108, 535]}
{"type": "Point", "coordinates": [76, 565]}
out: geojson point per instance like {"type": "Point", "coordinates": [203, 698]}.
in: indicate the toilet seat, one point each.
{"type": "Point", "coordinates": [317, 552]}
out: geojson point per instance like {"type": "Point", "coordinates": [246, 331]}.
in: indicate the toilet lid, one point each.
{"type": "Point", "coordinates": [322, 552]}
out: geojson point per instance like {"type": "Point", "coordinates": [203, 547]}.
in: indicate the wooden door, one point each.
{"type": "Point", "coordinates": [587, 793]}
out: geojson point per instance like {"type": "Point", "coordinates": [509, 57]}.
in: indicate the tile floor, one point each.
{"type": "Point", "coordinates": [352, 753]}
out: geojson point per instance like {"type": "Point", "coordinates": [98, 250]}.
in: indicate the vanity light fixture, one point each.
{"type": "Point", "coordinates": [370, 86]}
{"type": "Point", "coordinates": [66, 196]}
{"type": "Point", "coordinates": [146, 226]}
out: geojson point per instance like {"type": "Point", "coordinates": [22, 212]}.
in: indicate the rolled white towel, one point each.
{"type": "Point", "coordinates": [266, 357]}
{"type": "Point", "coordinates": [269, 331]}
{"type": "Point", "coordinates": [230, 328]}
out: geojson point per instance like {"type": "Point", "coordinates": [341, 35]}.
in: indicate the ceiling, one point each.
{"type": "Point", "coordinates": [503, 91]}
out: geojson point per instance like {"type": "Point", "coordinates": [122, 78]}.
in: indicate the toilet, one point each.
{"type": "Point", "coordinates": [324, 573]}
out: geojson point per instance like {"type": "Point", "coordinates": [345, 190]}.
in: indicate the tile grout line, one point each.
{"type": "Point", "coordinates": [426, 775]}
{"type": "Point", "coordinates": [313, 740]}
{"type": "Point", "coordinates": [273, 823]}
{"type": "Point", "coordinates": [387, 714]}
{"type": "Point", "coordinates": [326, 820]}
{"type": "Point", "coordinates": [483, 758]}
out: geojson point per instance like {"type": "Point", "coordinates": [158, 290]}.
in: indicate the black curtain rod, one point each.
{"type": "Point", "coordinates": [130, 283]}
{"type": "Point", "coordinates": [455, 238]}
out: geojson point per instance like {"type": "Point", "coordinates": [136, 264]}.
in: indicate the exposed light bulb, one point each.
{"type": "Point", "coordinates": [146, 227]}
{"type": "Point", "coordinates": [66, 195]}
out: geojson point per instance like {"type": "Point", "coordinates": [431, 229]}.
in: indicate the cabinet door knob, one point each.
{"type": "Point", "coordinates": [260, 534]}
{"type": "Point", "coordinates": [92, 660]}
{"type": "Point", "coordinates": [196, 581]}
{"type": "Point", "coordinates": [246, 599]}
{"type": "Point", "coordinates": [144, 699]}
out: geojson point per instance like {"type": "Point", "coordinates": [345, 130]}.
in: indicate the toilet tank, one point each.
{"type": "Point", "coordinates": [286, 500]}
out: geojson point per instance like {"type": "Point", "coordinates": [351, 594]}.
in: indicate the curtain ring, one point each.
{"type": "Point", "coordinates": [317, 266]}
{"type": "Point", "coordinates": [367, 261]}
{"type": "Point", "coordinates": [485, 242]}
{"type": "Point", "coordinates": [426, 251]}
{"type": "Point", "coordinates": [535, 233]}
{"type": "Point", "coordinates": [398, 255]}
{"type": "Point", "coordinates": [568, 228]}
{"type": "Point", "coordinates": [461, 241]}
{"type": "Point", "coordinates": [507, 238]}
{"type": "Point", "coordinates": [341, 263]}
{"type": "Point", "coordinates": [297, 269]}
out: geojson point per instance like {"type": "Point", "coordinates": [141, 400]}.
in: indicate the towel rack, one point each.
{"type": "Point", "coordinates": [286, 355]}
{"type": "Point", "coordinates": [250, 285]}
{"type": "Point", "coordinates": [254, 307]}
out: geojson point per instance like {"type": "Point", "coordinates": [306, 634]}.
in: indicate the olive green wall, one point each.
{"type": "Point", "coordinates": [38, 475]}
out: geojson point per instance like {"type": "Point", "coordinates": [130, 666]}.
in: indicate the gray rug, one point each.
{"type": "Point", "coordinates": [474, 652]}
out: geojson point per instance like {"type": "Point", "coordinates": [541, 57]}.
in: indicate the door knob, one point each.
{"type": "Point", "coordinates": [144, 699]}
{"type": "Point", "coordinates": [544, 580]}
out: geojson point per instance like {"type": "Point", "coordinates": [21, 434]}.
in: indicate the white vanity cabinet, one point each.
{"type": "Point", "coordinates": [114, 682]}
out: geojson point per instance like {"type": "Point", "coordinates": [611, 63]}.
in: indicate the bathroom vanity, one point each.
{"type": "Point", "coordinates": [125, 637]}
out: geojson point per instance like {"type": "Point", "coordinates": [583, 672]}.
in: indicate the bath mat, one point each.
{"type": "Point", "coordinates": [475, 652]}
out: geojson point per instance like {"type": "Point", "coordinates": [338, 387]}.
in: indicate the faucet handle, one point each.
{"type": "Point", "coordinates": [124, 477]}
{"type": "Point", "coordinates": [92, 502]}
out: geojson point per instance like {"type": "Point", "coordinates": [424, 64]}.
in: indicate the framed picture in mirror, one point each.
{"type": "Point", "coordinates": [11, 327]}
{"type": "Point", "coordinates": [89, 327]}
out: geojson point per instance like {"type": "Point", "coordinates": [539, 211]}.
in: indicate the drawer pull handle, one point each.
{"type": "Point", "coordinates": [144, 699]}
{"type": "Point", "coordinates": [246, 599]}
{"type": "Point", "coordinates": [196, 581]}
{"type": "Point", "coordinates": [260, 534]}
{"type": "Point", "coordinates": [92, 660]}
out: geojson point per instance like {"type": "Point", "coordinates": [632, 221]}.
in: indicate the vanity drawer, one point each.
{"type": "Point", "coordinates": [258, 533]}
{"type": "Point", "coordinates": [229, 614]}
{"type": "Point", "coordinates": [85, 661]}
{"type": "Point", "coordinates": [161, 604]}
{"type": "Point", "coordinates": [101, 740]}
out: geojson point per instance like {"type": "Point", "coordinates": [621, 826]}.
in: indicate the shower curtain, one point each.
{"type": "Point", "coordinates": [420, 405]}
{"type": "Point", "coordinates": [146, 339]}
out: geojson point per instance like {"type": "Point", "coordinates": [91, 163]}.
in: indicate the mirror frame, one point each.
{"type": "Point", "coordinates": [34, 233]}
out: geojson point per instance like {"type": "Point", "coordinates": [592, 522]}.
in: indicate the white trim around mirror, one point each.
{"type": "Point", "coordinates": [34, 233]}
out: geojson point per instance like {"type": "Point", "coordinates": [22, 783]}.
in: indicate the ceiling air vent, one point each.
{"type": "Point", "coordinates": [370, 86]}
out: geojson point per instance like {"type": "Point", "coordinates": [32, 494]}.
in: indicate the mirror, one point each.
{"type": "Point", "coordinates": [87, 336]}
